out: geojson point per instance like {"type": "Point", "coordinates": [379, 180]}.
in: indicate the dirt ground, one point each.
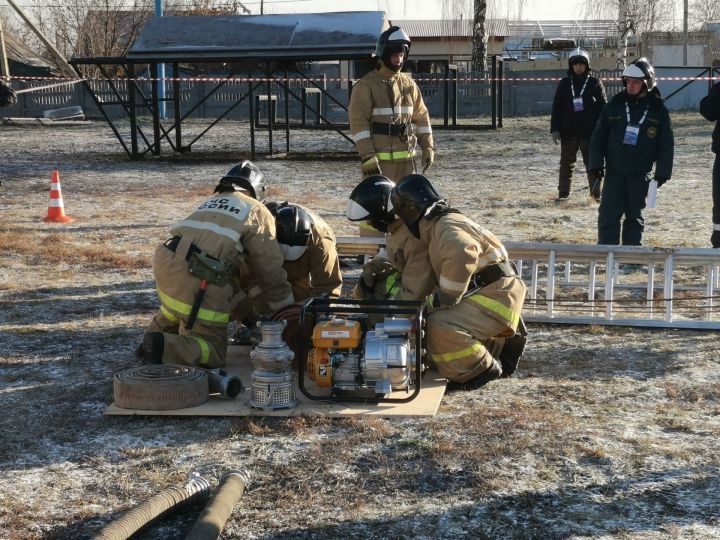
{"type": "Point", "coordinates": [603, 432]}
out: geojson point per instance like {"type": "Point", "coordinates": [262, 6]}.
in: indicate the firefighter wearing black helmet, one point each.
{"type": "Point", "coordinates": [202, 271]}
{"type": "Point", "coordinates": [579, 100]}
{"type": "Point", "coordinates": [382, 277]}
{"type": "Point", "coordinates": [310, 258]}
{"type": "Point", "coordinates": [388, 117]}
{"type": "Point", "coordinates": [633, 135]}
{"type": "Point", "coordinates": [710, 109]}
{"type": "Point", "coordinates": [475, 333]}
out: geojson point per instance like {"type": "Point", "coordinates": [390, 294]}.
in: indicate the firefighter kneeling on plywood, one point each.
{"type": "Point", "coordinates": [475, 332]}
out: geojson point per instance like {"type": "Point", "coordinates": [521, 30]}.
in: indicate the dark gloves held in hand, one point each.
{"type": "Point", "coordinates": [661, 180]}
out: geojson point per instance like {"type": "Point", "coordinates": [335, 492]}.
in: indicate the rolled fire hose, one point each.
{"type": "Point", "coordinates": [160, 387]}
{"type": "Point", "coordinates": [156, 507]}
{"type": "Point", "coordinates": [213, 518]}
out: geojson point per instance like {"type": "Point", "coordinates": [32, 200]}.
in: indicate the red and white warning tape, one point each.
{"type": "Point", "coordinates": [509, 79]}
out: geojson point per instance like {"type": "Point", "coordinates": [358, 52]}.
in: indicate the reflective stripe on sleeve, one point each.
{"type": "Point", "coordinates": [206, 315]}
{"type": "Point", "coordinates": [204, 349]}
{"type": "Point", "coordinates": [392, 285]}
{"type": "Point", "coordinates": [496, 307]}
{"type": "Point", "coordinates": [450, 285]}
{"type": "Point", "coordinates": [424, 130]}
{"type": "Point", "coordinates": [360, 136]}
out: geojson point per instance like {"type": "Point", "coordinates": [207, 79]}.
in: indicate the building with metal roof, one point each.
{"type": "Point", "coordinates": [450, 40]}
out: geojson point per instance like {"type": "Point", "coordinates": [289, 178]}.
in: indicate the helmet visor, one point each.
{"type": "Point", "coordinates": [355, 212]}
{"type": "Point", "coordinates": [292, 253]}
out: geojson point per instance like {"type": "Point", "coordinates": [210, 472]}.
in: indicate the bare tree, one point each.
{"type": "Point", "coordinates": [633, 18]}
{"type": "Point", "coordinates": [479, 10]}
{"type": "Point", "coordinates": [703, 11]}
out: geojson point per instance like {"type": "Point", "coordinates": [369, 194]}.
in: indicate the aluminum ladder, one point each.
{"type": "Point", "coordinates": [608, 285]}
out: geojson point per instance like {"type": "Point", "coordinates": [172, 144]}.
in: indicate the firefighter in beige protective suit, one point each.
{"type": "Point", "coordinates": [381, 278]}
{"type": "Point", "coordinates": [310, 258]}
{"type": "Point", "coordinates": [475, 333]}
{"type": "Point", "coordinates": [202, 270]}
{"type": "Point", "coordinates": [388, 117]}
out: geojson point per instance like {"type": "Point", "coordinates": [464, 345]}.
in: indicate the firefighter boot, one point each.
{"type": "Point", "coordinates": [493, 372]}
{"type": "Point", "coordinates": [511, 354]}
{"type": "Point", "coordinates": [153, 346]}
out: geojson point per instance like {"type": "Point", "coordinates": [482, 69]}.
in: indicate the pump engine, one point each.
{"type": "Point", "coordinates": [378, 362]}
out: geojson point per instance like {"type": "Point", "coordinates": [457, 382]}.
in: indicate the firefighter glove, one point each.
{"type": "Point", "coordinates": [661, 180]}
{"type": "Point", "coordinates": [374, 272]}
{"type": "Point", "coordinates": [555, 137]}
{"type": "Point", "coordinates": [442, 300]}
{"type": "Point", "coordinates": [428, 156]}
{"type": "Point", "coordinates": [371, 166]}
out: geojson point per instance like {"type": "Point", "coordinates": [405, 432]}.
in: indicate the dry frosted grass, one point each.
{"type": "Point", "coordinates": [605, 432]}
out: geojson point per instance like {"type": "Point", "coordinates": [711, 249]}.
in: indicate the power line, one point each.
{"type": "Point", "coordinates": [223, 3]}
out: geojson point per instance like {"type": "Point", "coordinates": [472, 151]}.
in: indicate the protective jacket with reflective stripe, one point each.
{"type": "Point", "coordinates": [387, 97]}
{"type": "Point", "coordinates": [240, 232]}
{"type": "Point", "coordinates": [458, 248]}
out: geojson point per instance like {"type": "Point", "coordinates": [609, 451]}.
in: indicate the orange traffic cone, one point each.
{"type": "Point", "coordinates": [56, 209]}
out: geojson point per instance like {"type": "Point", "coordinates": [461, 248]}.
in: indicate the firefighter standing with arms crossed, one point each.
{"type": "Point", "coordinates": [200, 272]}
{"type": "Point", "coordinates": [388, 116]}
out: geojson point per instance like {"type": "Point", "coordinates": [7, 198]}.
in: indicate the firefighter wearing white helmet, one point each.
{"type": "Point", "coordinates": [388, 117]}
{"type": "Point", "coordinates": [579, 99]}
{"type": "Point", "coordinates": [475, 332]}
{"type": "Point", "coordinates": [202, 271]}
{"type": "Point", "coordinates": [633, 135]}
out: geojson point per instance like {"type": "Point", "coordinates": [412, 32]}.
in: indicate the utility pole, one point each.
{"type": "Point", "coordinates": [3, 53]}
{"type": "Point", "coordinates": [262, 2]}
{"type": "Point", "coordinates": [685, 31]}
{"type": "Point", "coordinates": [161, 69]}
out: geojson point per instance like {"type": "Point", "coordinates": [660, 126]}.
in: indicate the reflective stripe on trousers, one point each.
{"type": "Point", "coordinates": [204, 349]}
{"type": "Point", "coordinates": [449, 357]}
{"type": "Point", "coordinates": [498, 308]}
{"type": "Point", "coordinates": [205, 315]}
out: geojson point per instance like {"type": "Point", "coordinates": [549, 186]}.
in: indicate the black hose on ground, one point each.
{"type": "Point", "coordinates": [166, 502]}
{"type": "Point", "coordinates": [213, 518]}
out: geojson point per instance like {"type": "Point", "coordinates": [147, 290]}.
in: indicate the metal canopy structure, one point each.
{"type": "Point", "coordinates": [260, 43]}
{"type": "Point", "coordinates": [305, 37]}
{"type": "Point", "coordinates": [257, 53]}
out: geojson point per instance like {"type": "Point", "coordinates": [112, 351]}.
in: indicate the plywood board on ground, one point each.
{"type": "Point", "coordinates": [238, 363]}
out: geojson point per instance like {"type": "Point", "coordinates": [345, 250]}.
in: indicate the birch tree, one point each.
{"type": "Point", "coordinates": [633, 18]}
